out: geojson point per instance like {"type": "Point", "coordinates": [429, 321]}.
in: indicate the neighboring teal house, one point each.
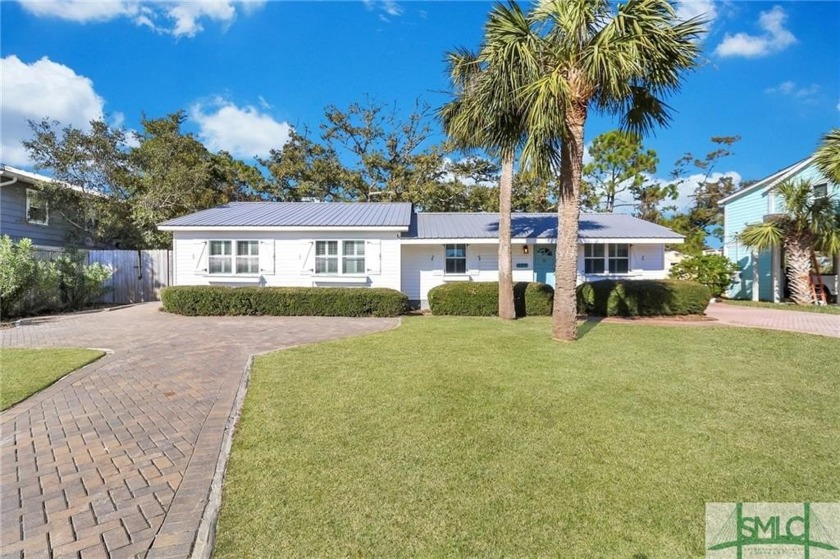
{"type": "Point", "coordinates": [762, 275]}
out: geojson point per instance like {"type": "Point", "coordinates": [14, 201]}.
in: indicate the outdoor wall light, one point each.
{"type": "Point", "coordinates": [525, 249]}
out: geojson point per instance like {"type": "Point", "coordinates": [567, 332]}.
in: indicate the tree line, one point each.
{"type": "Point", "coordinates": [365, 152]}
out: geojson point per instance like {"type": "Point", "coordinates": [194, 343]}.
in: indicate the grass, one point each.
{"type": "Point", "coordinates": [819, 309]}
{"type": "Point", "coordinates": [459, 437]}
{"type": "Point", "coordinates": [27, 371]}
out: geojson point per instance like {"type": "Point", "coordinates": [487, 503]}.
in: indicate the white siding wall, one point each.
{"type": "Point", "coordinates": [287, 259]}
{"type": "Point", "coordinates": [646, 262]}
{"type": "Point", "coordinates": [423, 265]}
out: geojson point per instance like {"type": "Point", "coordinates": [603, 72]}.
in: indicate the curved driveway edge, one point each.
{"type": "Point", "coordinates": [118, 459]}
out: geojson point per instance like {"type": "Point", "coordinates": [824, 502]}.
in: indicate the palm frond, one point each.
{"type": "Point", "coordinates": [762, 236]}
{"type": "Point", "coordinates": [827, 156]}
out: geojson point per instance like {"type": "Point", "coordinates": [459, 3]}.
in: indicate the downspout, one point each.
{"type": "Point", "coordinates": [9, 182]}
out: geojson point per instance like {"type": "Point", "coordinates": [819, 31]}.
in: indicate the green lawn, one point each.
{"type": "Point", "coordinates": [820, 309]}
{"type": "Point", "coordinates": [456, 437]}
{"type": "Point", "coordinates": [27, 371]}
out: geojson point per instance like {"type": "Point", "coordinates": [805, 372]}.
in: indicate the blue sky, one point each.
{"type": "Point", "coordinates": [246, 71]}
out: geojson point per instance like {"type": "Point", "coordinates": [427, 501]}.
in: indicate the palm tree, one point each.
{"type": "Point", "coordinates": [808, 224]}
{"type": "Point", "coordinates": [486, 114]}
{"type": "Point", "coordinates": [589, 56]}
{"type": "Point", "coordinates": [827, 157]}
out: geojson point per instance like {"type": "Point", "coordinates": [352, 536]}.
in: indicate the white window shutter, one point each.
{"type": "Point", "coordinates": [634, 260]}
{"type": "Point", "coordinates": [439, 262]}
{"type": "Point", "coordinates": [373, 256]}
{"type": "Point", "coordinates": [200, 251]}
{"type": "Point", "coordinates": [307, 257]}
{"type": "Point", "coordinates": [267, 257]}
{"type": "Point", "coordinates": [473, 262]}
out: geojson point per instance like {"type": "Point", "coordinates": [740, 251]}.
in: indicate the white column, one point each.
{"type": "Point", "coordinates": [777, 274]}
{"type": "Point", "coordinates": [754, 257]}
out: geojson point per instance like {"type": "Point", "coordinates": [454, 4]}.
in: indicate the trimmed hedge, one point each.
{"type": "Point", "coordinates": [642, 298]}
{"type": "Point", "coordinates": [283, 301]}
{"type": "Point", "coordinates": [482, 299]}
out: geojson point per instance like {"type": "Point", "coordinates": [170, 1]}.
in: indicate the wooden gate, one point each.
{"type": "Point", "coordinates": [138, 275]}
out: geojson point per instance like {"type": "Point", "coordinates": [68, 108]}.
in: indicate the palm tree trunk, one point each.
{"type": "Point", "coordinates": [507, 309]}
{"type": "Point", "coordinates": [564, 315]}
{"type": "Point", "coordinates": [798, 254]}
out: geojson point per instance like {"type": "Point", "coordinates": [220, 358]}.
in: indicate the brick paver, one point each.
{"type": "Point", "coordinates": [117, 460]}
{"type": "Point", "coordinates": [773, 319]}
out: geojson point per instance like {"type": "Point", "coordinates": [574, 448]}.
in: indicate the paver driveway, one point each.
{"type": "Point", "coordinates": [117, 460]}
{"type": "Point", "coordinates": [776, 319]}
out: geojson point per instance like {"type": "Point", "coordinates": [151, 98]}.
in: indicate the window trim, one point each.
{"type": "Point", "coordinates": [30, 194]}
{"type": "Point", "coordinates": [447, 258]}
{"type": "Point", "coordinates": [234, 254]}
{"type": "Point", "coordinates": [340, 258]}
{"type": "Point", "coordinates": [822, 185]}
{"type": "Point", "coordinates": [607, 258]}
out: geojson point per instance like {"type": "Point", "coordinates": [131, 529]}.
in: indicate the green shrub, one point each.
{"type": "Point", "coordinates": [283, 301]}
{"type": "Point", "coordinates": [482, 299]}
{"type": "Point", "coordinates": [18, 273]}
{"type": "Point", "coordinates": [712, 270]}
{"type": "Point", "coordinates": [79, 283]}
{"type": "Point", "coordinates": [642, 298]}
{"type": "Point", "coordinates": [29, 285]}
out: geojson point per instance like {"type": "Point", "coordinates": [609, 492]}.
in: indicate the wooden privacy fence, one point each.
{"type": "Point", "coordinates": [137, 275]}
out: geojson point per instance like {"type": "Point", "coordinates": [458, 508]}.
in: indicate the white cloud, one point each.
{"type": "Point", "coordinates": [774, 39]}
{"type": "Point", "coordinates": [43, 89]}
{"type": "Point", "coordinates": [686, 190]}
{"type": "Point", "coordinates": [82, 11]}
{"type": "Point", "coordinates": [808, 93]}
{"type": "Point", "coordinates": [689, 186]}
{"type": "Point", "coordinates": [181, 18]}
{"type": "Point", "coordinates": [688, 9]}
{"type": "Point", "coordinates": [587, 157]}
{"type": "Point", "coordinates": [387, 8]}
{"type": "Point", "coordinates": [242, 131]}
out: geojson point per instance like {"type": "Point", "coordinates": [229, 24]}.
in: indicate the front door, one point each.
{"type": "Point", "coordinates": [544, 263]}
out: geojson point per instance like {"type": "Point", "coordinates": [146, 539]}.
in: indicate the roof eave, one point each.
{"type": "Point", "coordinates": [544, 240]}
{"type": "Point", "coordinates": [284, 228]}
{"type": "Point", "coordinates": [771, 181]}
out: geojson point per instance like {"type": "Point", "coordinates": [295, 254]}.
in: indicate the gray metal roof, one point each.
{"type": "Point", "coordinates": [486, 225]}
{"type": "Point", "coordinates": [298, 214]}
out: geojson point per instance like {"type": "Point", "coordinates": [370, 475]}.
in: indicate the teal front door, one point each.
{"type": "Point", "coordinates": [544, 265]}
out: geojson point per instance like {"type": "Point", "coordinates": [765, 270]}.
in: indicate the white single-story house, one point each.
{"type": "Point", "coordinates": [367, 244]}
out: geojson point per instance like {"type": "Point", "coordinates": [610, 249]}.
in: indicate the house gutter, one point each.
{"type": "Point", "coordinates": [9, 182]}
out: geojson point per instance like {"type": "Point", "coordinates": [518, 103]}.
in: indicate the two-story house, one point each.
{"type": "Point", "coordinates": [762, 276]}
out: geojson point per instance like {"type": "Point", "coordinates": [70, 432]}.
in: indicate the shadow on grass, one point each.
{"type": "Point", "coordinates": [588, 324]}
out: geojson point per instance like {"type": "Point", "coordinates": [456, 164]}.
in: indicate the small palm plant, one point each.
{"type": "Point", "coordinates": [827, 157]}
{"type": "Point", "coordinates": [809, 224]}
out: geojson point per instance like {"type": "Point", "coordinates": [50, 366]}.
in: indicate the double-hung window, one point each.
{"type": "Point", "coordinates": [247, 257]}
{"type": "Point", "coordinates": [37, 208]}
{"type": "Point", "coordinates": [340, 257]}
{"type": "Point", "coordinates": [456, 259]}
{"type": "Point", "coordinates": [353, 257]}
{"type": "Point", "coordinates": [234, 257]}
{"type": "Point", "coordinates": [611, 258]}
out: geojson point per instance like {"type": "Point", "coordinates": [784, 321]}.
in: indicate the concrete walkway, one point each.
{"type": "Point", "coordinates": [773, 319]}
{"type": "Point", "coordinates": [117, 460]}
